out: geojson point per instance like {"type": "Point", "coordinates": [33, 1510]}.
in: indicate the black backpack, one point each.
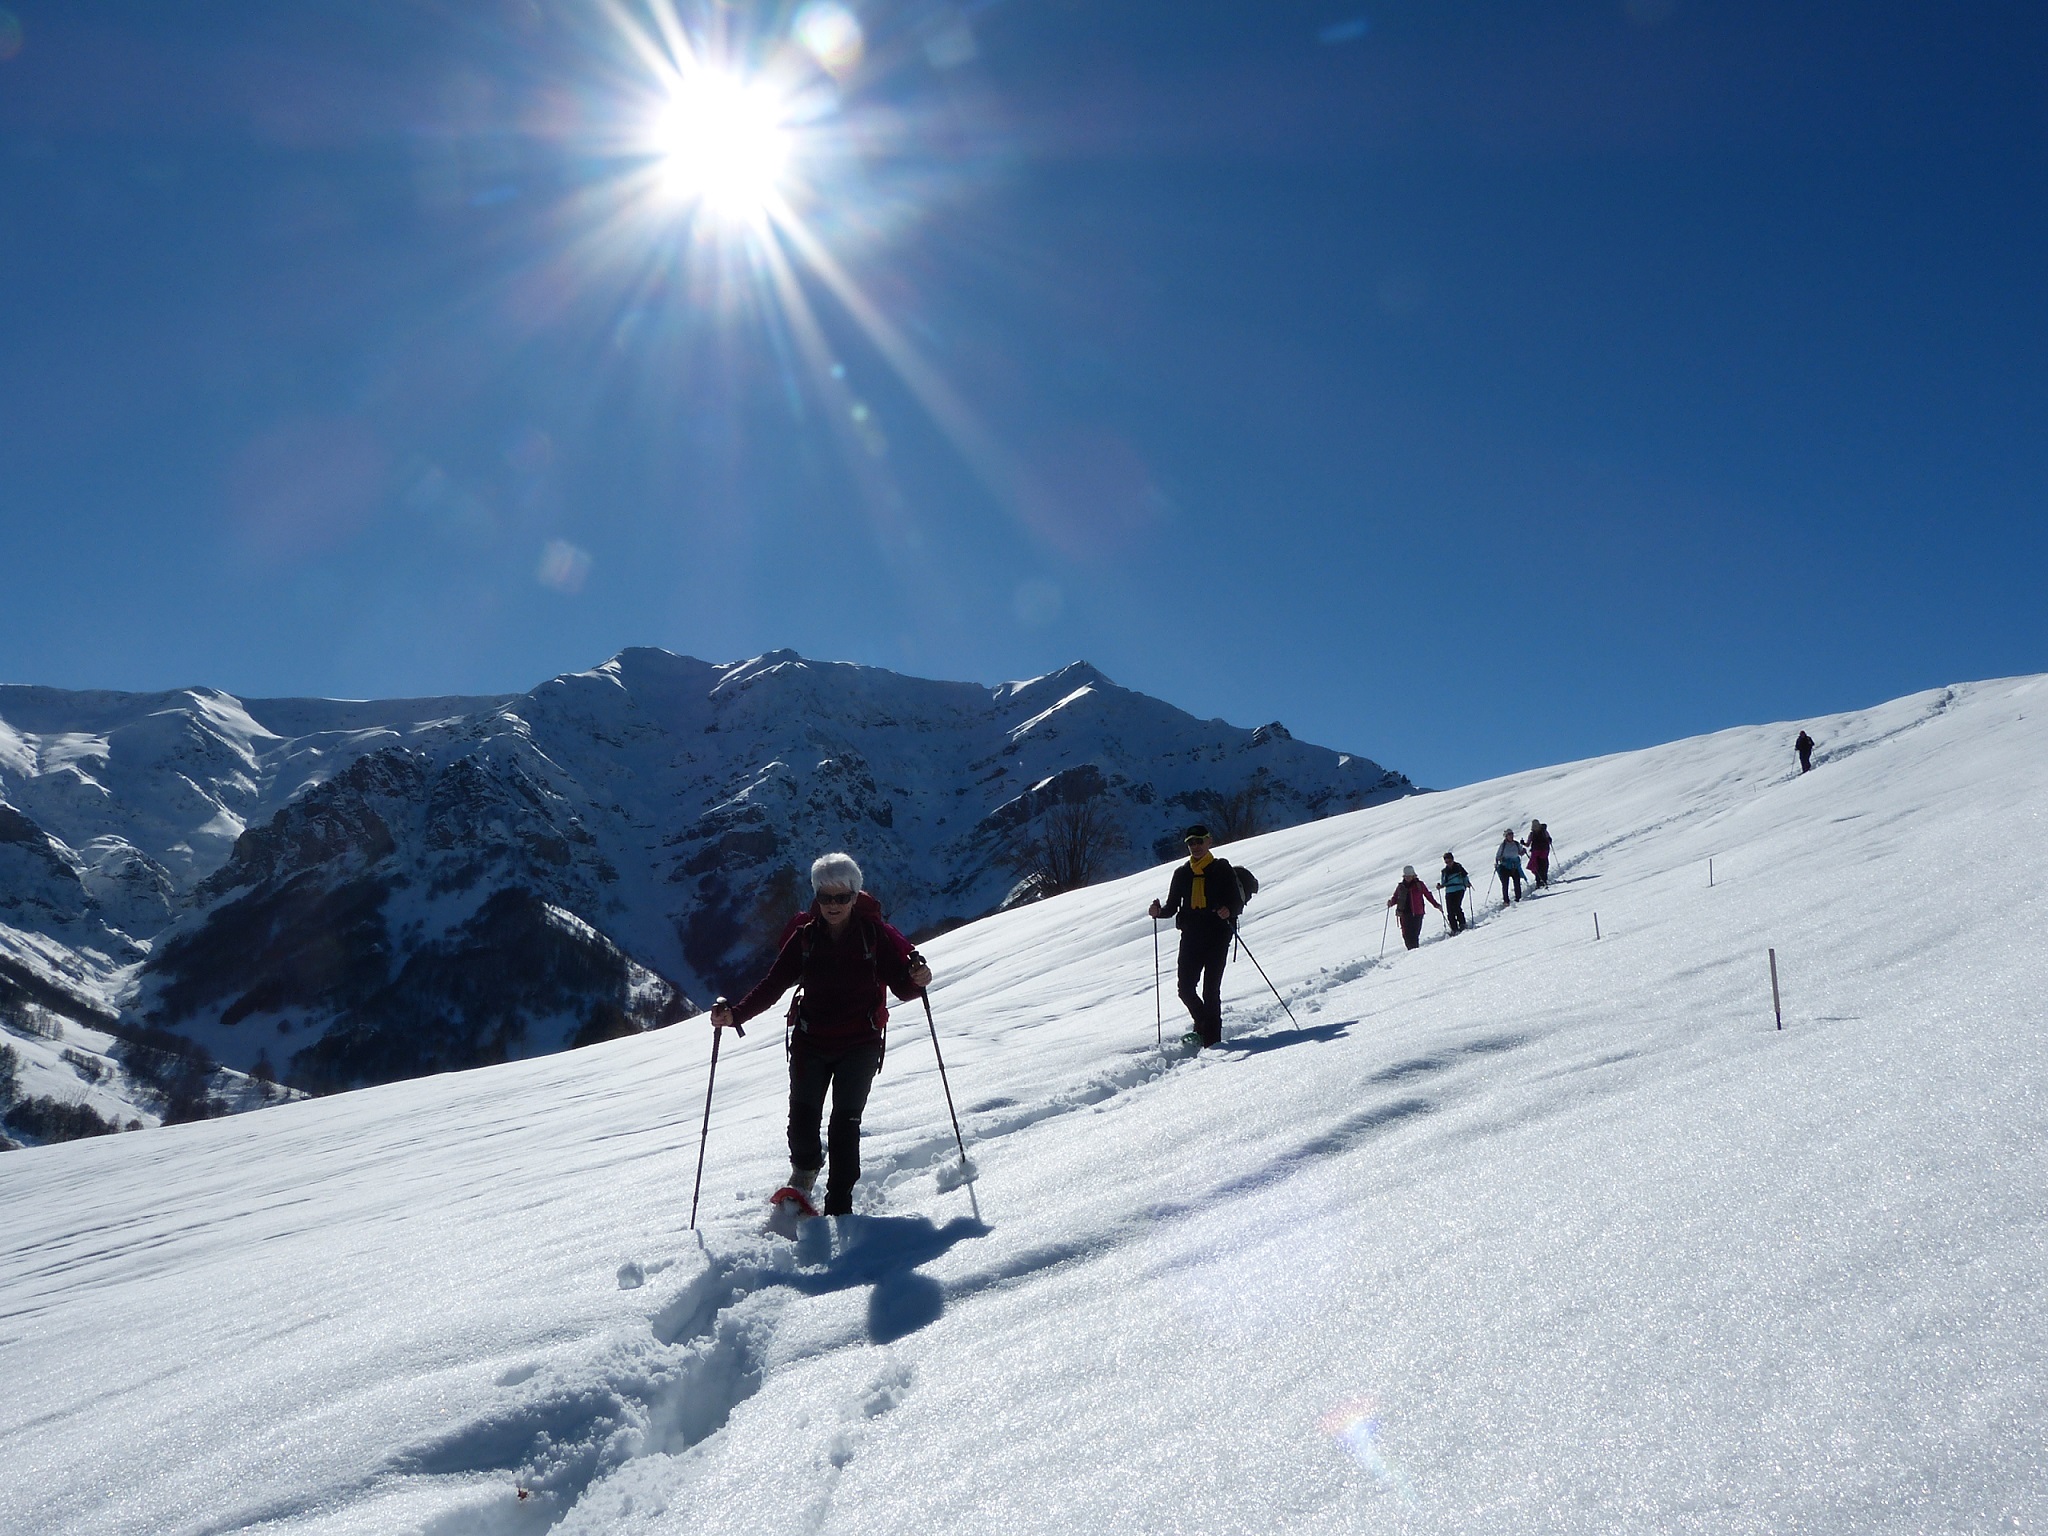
{"type": "Point", "coordinates": [1247, 886]}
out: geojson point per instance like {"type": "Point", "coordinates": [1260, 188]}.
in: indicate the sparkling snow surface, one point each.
{"type": "Point", "coordinates": [1522, 1232]}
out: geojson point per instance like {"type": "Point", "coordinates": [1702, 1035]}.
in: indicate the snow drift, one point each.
{"type": "Point", "coordinates": [1526, 1231]}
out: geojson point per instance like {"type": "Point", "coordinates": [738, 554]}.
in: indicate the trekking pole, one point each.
{"type": "Point", "coordinates": [1383, 931]}
{"type": "Point", "coordinates": [1269, 985]}
{"type": "Point", "coordinates": [957, 1141]}
{"type": "Point", "coordinates": [704, 1135]}
{"type": "Point", "coordinates": [1158, 1011]}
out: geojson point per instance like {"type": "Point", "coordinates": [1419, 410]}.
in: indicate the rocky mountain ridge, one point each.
{"type": "Point", "coordinates": [360, 891]}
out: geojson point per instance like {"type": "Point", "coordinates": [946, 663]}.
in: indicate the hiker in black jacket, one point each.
{"type": "Point", "coordinates": [1804, 747]}
{"type": "Point", "coordinates": [1203, 902]}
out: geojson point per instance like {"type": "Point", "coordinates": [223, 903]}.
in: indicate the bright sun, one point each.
{"type": "Point", "coordinates": [724, 144]}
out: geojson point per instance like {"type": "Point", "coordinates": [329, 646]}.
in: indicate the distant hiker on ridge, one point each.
{"type": "Point", "coordinates": [1202, 900]}
{"type": "Point", "coordinates": [1507, 863]}
{"type": "Point", "coordinates": [1407, 902]}
{"type": "Point", "coordinates": [839, 952]}
{"type": "Point", "coordinates": [1805, 745]}
{"type": "Point", "coordinates": [1454, 883]}
{"type": "Point", "coordinates": [1539, 853]}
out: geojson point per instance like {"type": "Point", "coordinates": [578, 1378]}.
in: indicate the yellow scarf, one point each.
{"type": "Point", "coordinates": [1197, 898]}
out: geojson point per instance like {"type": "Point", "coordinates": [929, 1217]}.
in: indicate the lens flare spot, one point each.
{"type": "Point", "coordinates": [831, 34]}
{"type": "Point", "coordinates": [867, 430]}
{"type": "Point", "coordinates": [564, 567]}
{"type": "Point", "coordinates": [724, 144]}
{"type": "Point", "coordinates": [10, 34]}
{"type": "Point", "coordinates": [1355, 1427]}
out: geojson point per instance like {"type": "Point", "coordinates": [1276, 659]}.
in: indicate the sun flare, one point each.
{"type": "Point", "coordinates": [757, 159]}
{"type": "Point", "coordinates": [724, 143]}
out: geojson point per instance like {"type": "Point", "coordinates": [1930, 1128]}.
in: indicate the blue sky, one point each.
{"type": "Point", "coordinates": [1469, 385]}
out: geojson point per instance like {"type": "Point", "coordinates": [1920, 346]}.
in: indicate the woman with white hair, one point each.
{"type": "Point", "coordinates": [840, 953]}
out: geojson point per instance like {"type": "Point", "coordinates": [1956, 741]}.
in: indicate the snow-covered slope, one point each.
{"type": "Point", "coordinates": [368, 891]}
{"type": "Point", "coordinates": [113, 808]}
{"type": "Point", "coordinates": [1522, 1232]}
{"type": "Point", "coordinates": [60, 1080]}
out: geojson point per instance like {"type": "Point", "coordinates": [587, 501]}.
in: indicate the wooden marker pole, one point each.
{"type": "Point", "coordinates": [1777, 1007]}
{"type": "Point", "coordinates": [1710, 874]}
{"type": "Point", "coordinates": [1596, 925]}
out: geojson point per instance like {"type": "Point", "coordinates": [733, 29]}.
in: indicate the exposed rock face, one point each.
{"type": "Point", "coordinates": [407, 916]}
{"type": "Point", "coordinates": [41, 884]}
{"type": "Point", "coordinates": [370, 891]}
{"type": "Point", "coordinates": [61, 921]}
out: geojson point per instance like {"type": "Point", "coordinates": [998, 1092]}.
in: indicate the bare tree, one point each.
{"type": "Point", "coordinates": [1074, 846]}
{"type": "Point", "coordinates": [1235, 817]}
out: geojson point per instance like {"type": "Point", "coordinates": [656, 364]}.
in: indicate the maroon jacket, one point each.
{"type": "Point", "coordinates": [844, 1002]}
{"type": "Point", "coordinates": [1412, 894]}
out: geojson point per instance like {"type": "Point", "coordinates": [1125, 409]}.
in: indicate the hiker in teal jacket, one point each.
{"type": "Point", "coordinates": [1507, 863]}
{"type": "Point", "coordinates": [1454, 883]}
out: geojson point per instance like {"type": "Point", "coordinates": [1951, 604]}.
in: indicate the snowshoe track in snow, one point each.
{"type": "Point", "coordinates": [706, 1349]}
{"type": "Point", "coordinates": [704, 1353]}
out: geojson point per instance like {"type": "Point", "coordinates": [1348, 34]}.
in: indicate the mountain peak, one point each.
{"type": "Point", "coordinates": [1075, 674]}
{"type": "Point", "coordinates": [340, 872]}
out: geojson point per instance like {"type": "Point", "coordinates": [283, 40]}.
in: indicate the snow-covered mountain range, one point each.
{"type": "Point", "coordinates": [340, 893]}
{"type": "Point", "coordinates": [1526, 1231]}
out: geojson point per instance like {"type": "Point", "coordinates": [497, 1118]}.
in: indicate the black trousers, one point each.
{"type": "Point", "coordinates": [1201, 980]}
{"type": "Point", "coordinates": [1411, 929]}
{"type": "Point", "coordinates": [849, 1071]}
{"type": "Point", "coordinates": [1454, 910]}
{"type": "Point", "coordinates": [1509, 872]}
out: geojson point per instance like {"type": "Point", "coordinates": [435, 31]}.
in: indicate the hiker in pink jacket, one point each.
{"type": "Point", "coordinates": [1407, 902]}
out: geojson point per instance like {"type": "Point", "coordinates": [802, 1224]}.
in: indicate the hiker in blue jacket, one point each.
{"type": "Point", "coordinates": [1507, 863]}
